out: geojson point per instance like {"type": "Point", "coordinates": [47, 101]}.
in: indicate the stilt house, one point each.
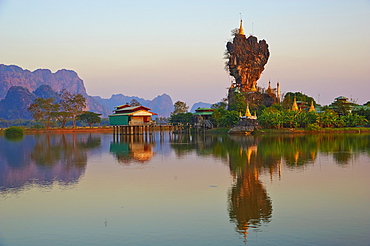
{"type": "Point", "coordinates": [126, 115]}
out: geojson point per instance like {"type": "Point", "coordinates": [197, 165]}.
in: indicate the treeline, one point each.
{"type": "Point", "coordinates": [47, 112]}
{"type": "Point", "coordinates": [273, 118]}
{"type": "Point", "coordinates": [340, 113]}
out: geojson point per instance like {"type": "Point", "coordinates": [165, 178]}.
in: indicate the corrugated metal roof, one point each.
{"type": "Point", "coordinates": [131, 108]}
{"type": "Point", "coordinates": [199, 109]}
{"type": "Point", "coordinates": [203, 113]}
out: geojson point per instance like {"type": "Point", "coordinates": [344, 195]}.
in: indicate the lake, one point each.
{"type": "Point", "coordinates": [165, 189]}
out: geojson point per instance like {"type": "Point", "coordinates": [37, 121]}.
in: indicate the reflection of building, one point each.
{"type": "Point", "coordinates": [125, 115]}
{"type": "Point", "coordinates": [132, 148]}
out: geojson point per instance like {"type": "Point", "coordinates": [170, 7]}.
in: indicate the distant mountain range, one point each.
{"type": "Point", "coordinates": [19, 87]}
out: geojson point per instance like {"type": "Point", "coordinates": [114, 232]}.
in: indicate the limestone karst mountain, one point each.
{"type": "Point", "coordinates": [19, 87]}
{"type": "Point", "coordinates": [162, 104]}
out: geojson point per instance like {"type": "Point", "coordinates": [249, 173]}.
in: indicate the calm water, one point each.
{"type": "Point", "coordinates": [93, 189]}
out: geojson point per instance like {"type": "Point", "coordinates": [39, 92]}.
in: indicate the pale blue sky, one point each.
{"type": "Point", "coordinates": [147, 48]}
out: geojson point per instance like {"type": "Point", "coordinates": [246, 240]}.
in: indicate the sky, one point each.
{"type": "Point", "coordinates": [147, 48]}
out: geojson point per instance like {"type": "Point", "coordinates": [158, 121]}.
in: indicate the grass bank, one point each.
{"type": "Point", "coordinates": [305, 131]}
{"type": "Point", "coordinates": [64, 130]}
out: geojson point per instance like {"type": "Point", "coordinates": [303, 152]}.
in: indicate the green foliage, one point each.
{"type": "Point", "coordinates": [134, 102]}
{"type": "Point", "coordinates": [216, 116]}
{"type": "Point", "coordinates": [365, 113]}
{"type": "Point", "coordinates": [341, 107]}
{"type": "Point", "coordinates": [62, 117]}
{"type": "Point", "coordinates": [224, 118]}
{"type": "Point", "coordinates": [237, 103]}
{"type": "Point", "coordinates": [90, 118]}
{"type": "Point", "coordinates": [313, 127]}
{"type": "Point", "coordinates": [229, 119]}
{"type": "Point", "coordinates": [180, 107]}
{"type": "Point", "coordinates": [37, 126]}
{"type": "Point", "coordinates": [183, 118]}
{"type": "Point", "coordinates": [72, 104]}
{"type": "Point", "coordinates": [42, 110]}
{"type": "Point", "coordinates": [13, 132]}
{"type": "Point", "coordinates": [273, 118]}
{"type": "Point", "coordinates": [289, 98]}
{"type": "Point", "coordinates": [220, 105]}
{"type": "Point", "coordinates": [352, 120]}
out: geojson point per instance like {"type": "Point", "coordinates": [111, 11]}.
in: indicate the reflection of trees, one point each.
{"type": "Point", "coordinates": [68, 148]}
{"type": "Point", "coordinates": [249, 204]}
{"type": "Point", "coordinates": [248, 156]}
{"type": "Point", "coordinates": [132, 148]}
{"type": "Point", "coordinates": [48, 158]}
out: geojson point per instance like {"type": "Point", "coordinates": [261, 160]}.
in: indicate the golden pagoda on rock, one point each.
{"type": "Point", "coordinates": [241, 30]}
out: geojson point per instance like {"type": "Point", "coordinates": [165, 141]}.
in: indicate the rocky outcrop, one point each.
{"type": "Point", "coordinates": [245, 126]}
{"type": "Point", "coordinates": [246, 60]}
{"type": "Point", "coordinates": [161, 105]}
{"type": "Point", "coordinates": [43, 83]}
{"type": "Point", "coordinates": [15, 104]}
{"type": "Point", "coordinates": [11, 75]}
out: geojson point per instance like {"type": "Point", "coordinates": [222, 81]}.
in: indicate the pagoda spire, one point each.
{"type": "Point", "coordinates": [312, 108]}
{"type": "Point", "coordinates": [241, 30]}
{"type": "Point", "coordinates": [295, 106]}
{"type": "Point", "coordinates": [247, 112]}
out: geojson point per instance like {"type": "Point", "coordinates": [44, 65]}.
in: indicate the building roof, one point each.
{"type": "Point", "coordinates": [203, 109]}
{"type": "Point", "coordinates": [127, 107]}
{"type": "Point", "coordinates": [204, 113]}
{"type": "Point", "coordinates": [341, 98]}
{"type": "Point", "coordinates": [135, 113]}
{"type": "Point", "coordinates": [135, 110]}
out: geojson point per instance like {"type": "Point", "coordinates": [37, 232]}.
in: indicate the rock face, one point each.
{"type": "Point", "coordinates": [161, 105]}
{"type": "Point", "coordinates": [245, 126]}
{"type": "Point", "coordinates": [63, 79]}
{"type": "Point", "coordinates": [246, 60]}
{"type": "Point", "coordinates": [15, 104]}
{"type": "Point", "coordinates": [43, 83]}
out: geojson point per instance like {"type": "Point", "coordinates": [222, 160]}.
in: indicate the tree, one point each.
{"type": "Point", "coordinates": [342, 107]}
{"type": "Point", "coordinates": [221, 104]}
{"type": "Point", "coordinates": [229, 119]}
{"type": "Point", "coordinates": [42, 109]}
{"type": "Point", "coordinates": [237, 103]}
{"type": "Point", "coordinates": [184, 118]}
{"type": "Point", "coordinates": [134, 102]}
{"type": "Point", "coordinates": [90, 118]}
{"type": "Point", "coordinates": [180, 107]}
{"type": "Point", "coordinates": [62, 117]}
{"type": "Point", "coordinates": [73, 104]}
{"type": "Point", "coordinates": [289, 97]}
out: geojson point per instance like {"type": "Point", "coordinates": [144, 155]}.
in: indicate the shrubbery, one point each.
{"type": "Point", "coordinates": [13, 132]}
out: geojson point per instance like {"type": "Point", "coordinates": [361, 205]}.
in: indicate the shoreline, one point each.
{"type": "Point", "coordinates": [283, 131]}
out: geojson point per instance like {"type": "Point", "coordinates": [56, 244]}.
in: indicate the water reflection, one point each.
{"type": "Point", "coordinates": [132, 148]}
{"type": "Point", "coordinates": [44, 159]}
{"type": "Point", "coordinates": [249, 156]}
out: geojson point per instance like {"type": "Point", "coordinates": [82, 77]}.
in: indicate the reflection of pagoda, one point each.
{"type": "Point", "coordinates": [132, 148]}
{"type": "Point", "coordinates": [249, 204]}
